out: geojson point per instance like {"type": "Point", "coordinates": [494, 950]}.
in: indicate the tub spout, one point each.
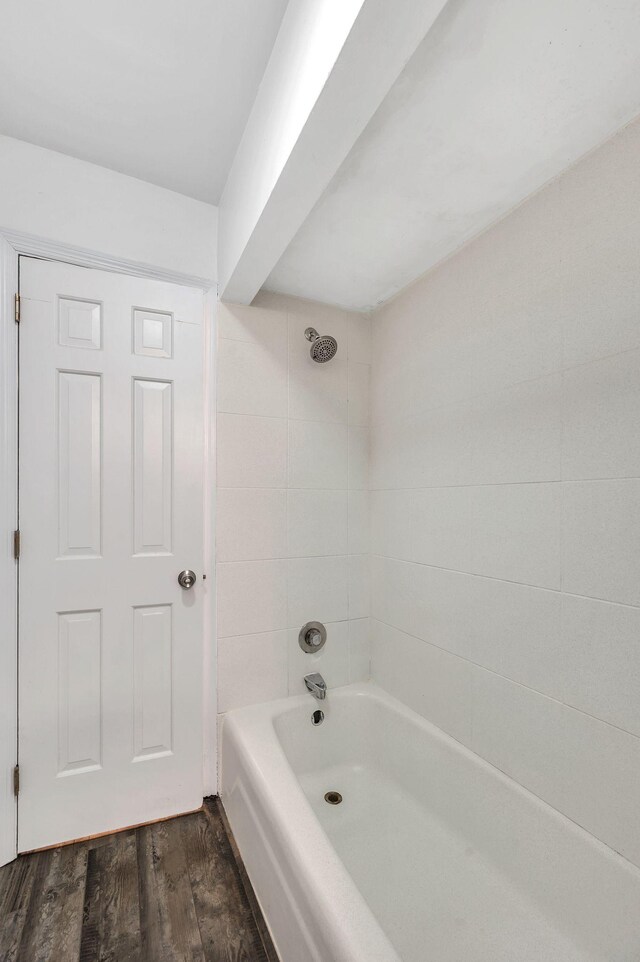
{"type": "Point", "coordinates": [316, 685]}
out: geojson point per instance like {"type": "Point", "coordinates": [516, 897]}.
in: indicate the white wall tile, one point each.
{"type": "Point", "coordinates": [392, 391]}
{"type": "Point", "coordinates": [252, 597]}
{"type": "Point", "coordinates": [505, 502]}
{"type": "Point", "coordinates": [432, 514]}
{"type": "Point", "coordinates": [359, 396]}
{"type": "Point", "coordinates": [601, 408]}
{"type": "Point", "coordinates": [360, 338]}
{"type": "Point", "coordinates": [517, 433]}
{"type": "Point", "coordinates": [457, 347]}
{"type": "Point", "coordinates": [596, 663]}
{"type": "Point", "coordinates": [581, 766]}
{"type": "Point", "coordinates": [332, 662]}
{"type": "Point", "coordinates": [359, 650]}
{"type": "Point", "coordinates": [358, 457]}
{"type": "Point", "coordinates": [318, 455]}
{"type": "Point", "coordinates": [251, 524]}
{"type": "Point", "coordinates": [432, 682]}
{"type": "Point", "coordinates": [316, 523]}
{"type": "Point", "coordinates": [396, 593]}
{"type": "Point", "coordinates": [393, 450]}
{"type": "Point", "coordinates": [359, 586]}
{"type": "Point", "coordinates": [440, 450]}
{"type": "Point", "coordinates": [252, 378]}
{"type": "Point", "coordinates": [601, 537]}
{"type": "Point", "coordinates": [513, 337]}
{"type": "Point", "coordinates": [285, 517]}
{"type": "Point", "coordinates": [252, 669]}
{"type": "Point", "coordinates": [240, 322]}
{"type": "Point", "coordinates": [442, 527]}
{"type": "Point", "coordinates": [358, 522]}
{"type": "Point", "coordinates": [602, 315]}
{"type": "Point", "coordinates": [251, 452]}
{"type": "Point", "coordinates": [318, 590]}
{"type": "Point", "coordinates": [394, 523]}
{"type": "Point", "coordinates": [318, 392]}
{"type": "Point", "coordinates": [516, 533]}
{"type": "Point", "coordinates": [509, 628]}
{"type": "Point", "coordinates": [582, 652]}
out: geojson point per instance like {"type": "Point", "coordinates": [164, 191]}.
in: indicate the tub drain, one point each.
{"type": "Point", "coordinates": [334, 798]}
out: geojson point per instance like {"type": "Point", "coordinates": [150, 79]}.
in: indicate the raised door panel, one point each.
{"type": "Point", "coordinates": [153, 671]}
{"type": "Point", "coordinates": [79, 465]}
{"type": "Point", "coordinates": [79, 323]}
{"type": "Point", "coordinates": [152, 333]}
{"type": "Point", "coordinates": [79, 692]}
{"type": "Point", "coordinates": [152, 466]}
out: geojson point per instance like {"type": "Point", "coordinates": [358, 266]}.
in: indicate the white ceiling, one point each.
{"type": "Point", "coordinates": [158, 89]}
{"type": "Point", "coordinates": [500, 97]}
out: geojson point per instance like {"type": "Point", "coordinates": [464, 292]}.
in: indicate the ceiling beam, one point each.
{"type": "Point", "coordinates": [331, 66]}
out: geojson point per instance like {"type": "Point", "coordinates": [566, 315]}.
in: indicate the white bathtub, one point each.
{"type": "Point", "coordinates": [432, 856]}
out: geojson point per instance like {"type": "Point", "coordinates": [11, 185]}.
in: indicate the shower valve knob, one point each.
{"type": "Point", "coordinates": [312, 636]}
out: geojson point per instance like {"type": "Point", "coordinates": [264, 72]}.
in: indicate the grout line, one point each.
{"type": "Point", "coordinates": [512, 681]}
{"type": "Point", "coordinates": [289, 417]}
{"type": "Point", "coordinates": [469, 746]}
{"type": "Point", "coordinates": [508, 484]}
{"type": "Point", "coordinates": [279, 487]}
{"type": "Point", "coordinates": [296, 558]}
{"type": "Point", "coordinates": [296, 627]}
{"type": "Point", "coordinates": [470, 400]}
{"type": "Point", "coordinates": [599, 359]}
{"type": "Point", "coordinates": [507, 581]}
{"type": "Point", "coordinates": [473, 398]}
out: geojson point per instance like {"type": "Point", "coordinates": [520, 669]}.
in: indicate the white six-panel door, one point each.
{"type": "Point", "coordinates": [111, 496]}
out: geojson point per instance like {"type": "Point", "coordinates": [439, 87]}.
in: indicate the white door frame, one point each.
{"type": "Point", "coordinates": [8, 566]}
{"type": "Point", "coordinates": [12, 245]}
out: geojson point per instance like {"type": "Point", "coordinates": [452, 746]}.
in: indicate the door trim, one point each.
{"type": "Point", "coordinates": [8, 565]}
{"type": "Point", "coordinates": [12, 245]}
{"type": "Point", "coordinates": [31, 245]}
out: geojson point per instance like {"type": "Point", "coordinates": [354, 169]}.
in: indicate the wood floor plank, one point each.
{"type": "Point", "coordinates": [111, 915]}
{"type": "Point", "coordinates": [168, 915]}
{"type": "Point", "coordinates": [150, 929]}
{"type": "Point", "coordinates": [54, 917]}
{"type": "Point", "coordinates": [226, 924]}
{"type": "Point", "coordinates": [15, 895]}
{"type": "Point", "coordinates": [168, 892]}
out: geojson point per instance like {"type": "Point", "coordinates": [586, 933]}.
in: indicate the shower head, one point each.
{"type": "Point", "coordinates": [323, 347]}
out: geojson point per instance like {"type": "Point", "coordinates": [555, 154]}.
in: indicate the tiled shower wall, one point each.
{"type": "Point", "coordinates": [506, 495]}
{"type": "Point", "coordinates": [292, 528]}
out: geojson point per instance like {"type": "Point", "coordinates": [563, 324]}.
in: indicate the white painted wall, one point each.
{"type": "Point", "coordinates": [50, 195]}
{"type": "Point", "coordinates": [498, 99]}
{"type": "Point", "coordinates": [142, 88]}
{"type": "Point", "coordinates": [506, 494]}
{"type": "Point", "coordinates": [331, 66]}
{"type": "Point", "coordinates": [305, 51]}
{"type": "Point", "coordinates": [292, 500]}
{"type": "Point", "coordinates": [309, 40]}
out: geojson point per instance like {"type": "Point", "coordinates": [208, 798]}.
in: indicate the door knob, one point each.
{"type": "Point", "coordinates": [187, 579]}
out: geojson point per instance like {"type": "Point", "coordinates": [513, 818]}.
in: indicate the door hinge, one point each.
{"type": "Point", "coordinates": [16, 545]}
{"type": "Point", "coordinates": [17, 302]}
{"type": "Point", "coordinates": [16, 780]}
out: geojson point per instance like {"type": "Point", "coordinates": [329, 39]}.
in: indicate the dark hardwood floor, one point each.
{"type": "Point", "coordinates": [169, 892]}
